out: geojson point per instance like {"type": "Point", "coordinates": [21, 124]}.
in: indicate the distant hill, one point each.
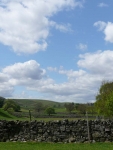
{"type": "Point", "coordinates": [30, 103]}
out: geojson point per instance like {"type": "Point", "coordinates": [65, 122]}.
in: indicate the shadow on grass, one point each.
{"type": "Point", "coordinates": [5, 114]}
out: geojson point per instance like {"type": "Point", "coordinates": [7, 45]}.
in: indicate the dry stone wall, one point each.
{"type": "Point", "coordinates": [56, 131]}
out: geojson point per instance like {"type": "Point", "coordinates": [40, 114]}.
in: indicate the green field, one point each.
{"type": "Point", "coordinates": [28, 104]}
{"type": "Point", "coordinates": [6, 115]}
{"type": "Point", "coordinates": [56, 146]}
{"type": "Point", "coordinates": [59, 108]}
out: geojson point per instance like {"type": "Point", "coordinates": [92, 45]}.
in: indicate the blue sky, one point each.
{"type": "Point", "coordinates": [59, 50]}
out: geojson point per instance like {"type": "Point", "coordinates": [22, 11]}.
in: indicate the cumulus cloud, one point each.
{"type": "Point", "coordinates": [99, 63]}
{"type": "Point", "coordinates": [78, 89]}
{"type": "Point", "coordinates": [28, 74]}
{"type": "Point", "coordinates": [102, 5]}
{"type": "Point", "coordinates": [72, 74]}
{"type": "Point", "coordinates": [30, 69]}
{"type": "Point", "coordinates": [25, 24]}
{"type": "Point", "coordinates": [81, 84]}
{"type": "Point", "coordinates": [109, 32]}
{"type": "Point", "coordinates": [82, 46]}
{"type": "Point", "coordinates": [107, 29]}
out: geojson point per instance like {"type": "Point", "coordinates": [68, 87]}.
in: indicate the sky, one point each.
{"type": "Point", "coordinates": [59, 50]}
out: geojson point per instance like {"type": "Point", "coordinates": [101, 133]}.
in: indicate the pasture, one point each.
{"type": "Point", "coordinates": [55, 146]}
{"type": "Point", "coordinates": [25, 106]}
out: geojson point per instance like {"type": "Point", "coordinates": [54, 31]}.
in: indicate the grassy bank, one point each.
{"type": "Point", "coordinates": [4, 115]}
{"type": "Point", "coordinates": [49, 146]}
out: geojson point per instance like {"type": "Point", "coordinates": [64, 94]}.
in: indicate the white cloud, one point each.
{"type": "Point", "coordinates": [82, 46]}
{"type": "Point", "coordinates": [99, 63]}
{"type": "Point", "coordinates": [61, 27]}
{"type": "Point", "coordinates": [71, 74]}
{"type": "Point", "coordinates": [78, 89]}
{"type": "Point", "coordinates": [25, 24]}
{"type": "Point", "coordinates": [102, 5]}
{"type": "Point", "coordinates": [81, 85]}
{"type": "Point", "coordinates": [101, 25]}
{"type": "Point", "coordinates": [27, 74]}
{"type": "Point", "coordinates": [107, 29]}
{"type": "Point", "coordinates": [3, 78]}
{"type": "Point", "coordinates": [5, 88]}
{"type": "Point", "coordinates": [30, 70]}
{"type": "Point", "coordinates": [52, 69]}
{"type": "Point", "coordinates": [109, 32]}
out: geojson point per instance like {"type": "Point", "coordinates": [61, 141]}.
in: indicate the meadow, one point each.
{"type": "Point", "coordinates": [28, 104]}
{"type": "Point", "coordinates": [55, 146]}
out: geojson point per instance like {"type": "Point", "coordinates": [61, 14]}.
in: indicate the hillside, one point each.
{"type": "Point", "coordinates": [5, 115]}
{"type": "Point", "coordinates": [30, 103]}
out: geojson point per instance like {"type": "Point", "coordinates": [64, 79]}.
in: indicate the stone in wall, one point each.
{"type": "Point", "coordinates": [56, 131]}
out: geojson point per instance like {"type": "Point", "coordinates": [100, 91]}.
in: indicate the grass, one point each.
{"type": "Point", "coordinates": [54, 146]}
{"type": "Point", "coordinates": [6, 115]}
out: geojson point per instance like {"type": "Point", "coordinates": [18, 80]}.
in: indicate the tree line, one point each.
{"type": "Point", "coordinates": [10, 105]}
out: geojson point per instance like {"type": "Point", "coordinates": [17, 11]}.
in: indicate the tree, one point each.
{"type": "Point", "coordinates": [81, 108]}
{"type": "Point", "coordinates": [69, 107]}
{"type": "Point", "coordinates": [91, 109]}
{"type": "Point", "coordinates": [38, 107]}
{"type": "Point", "coordinates": [104, 99]}
{"type": "Point", "coordinates": [2, 99]}
{"type": "Point", "coordinates": [50, 111]}
{"type": "Point", "coordinates": [10, 104]}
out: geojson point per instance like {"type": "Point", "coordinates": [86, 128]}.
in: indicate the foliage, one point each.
{"type": "Point", "coordinates": [69, 107]}
{"type": "Point", "coordinates": [91, 109]}
{"type": "Point", "coordinates": [10, 104]}
{"type": "Point", "coordinates": [38, 107]}
{"type": "Point", "coordinates": [104, 99]}
{"type": "Point", "coordinates": [81, 108]}
{"type": "Point", "coordinates": [2, 99]}
{"type": "Point", "coordinates": [50, 111]}
{"type": "Point", "coordinates": [5, 115]}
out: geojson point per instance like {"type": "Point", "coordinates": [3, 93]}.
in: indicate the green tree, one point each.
{"type": "Point", "coordinates": [91, 109]}
{"type": "Point", "coordinates": [10, 104]}
{"type": "Point", "coordinates": [2, 100]}
{"type": "Point", "coordinates": [69, 107]}
{"type": "Point", "coordinates": [104, 99]}
{"type": "Point", "coordinates": [81, 108]}
{"type": "Point", "coordinates": [50, 111]}
{"type": "Point", "coordinates": [38, 107]}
